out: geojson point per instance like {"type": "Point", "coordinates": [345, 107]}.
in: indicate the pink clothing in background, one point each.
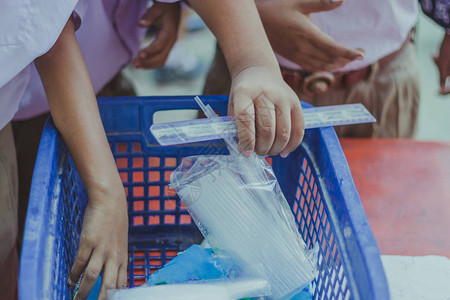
{"type": "Point", "coordinates": [378, 26]}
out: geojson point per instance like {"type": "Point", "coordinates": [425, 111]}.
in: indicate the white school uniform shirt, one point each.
{"type": "Point", "coordinates": [28, 29]}
{"type": "Point", "coordinates": [378, 26]}
{"type": "Point", "coordinates": [109, 38]}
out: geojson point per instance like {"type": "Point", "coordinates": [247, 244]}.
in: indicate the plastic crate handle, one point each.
{"type": "Point", "coordinates": [134, 116]}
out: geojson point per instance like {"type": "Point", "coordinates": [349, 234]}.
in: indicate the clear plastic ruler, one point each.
{"type": "Point", "coordinates": [199, 130]}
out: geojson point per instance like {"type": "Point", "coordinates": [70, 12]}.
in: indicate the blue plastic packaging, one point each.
{"type": "Point", "coordinates": [93, 295]}
{"type": "Point", "coordinates": [195, 263]}
{"type": "Point", "coordinates": [315, 179]}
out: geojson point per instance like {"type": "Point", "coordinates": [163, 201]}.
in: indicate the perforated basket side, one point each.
{"type": "Point", "coordinates": [315, 179]}
{"type": "Point", "coordinates": [56, 205]}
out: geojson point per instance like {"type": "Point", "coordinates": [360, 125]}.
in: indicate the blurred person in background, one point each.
{"type": "Point", "coordinates": [352, 51]}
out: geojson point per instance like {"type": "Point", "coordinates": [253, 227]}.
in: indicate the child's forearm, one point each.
{"type": "Point", "coordinates": [74, 109]}
{"type": "Point", "coordinates": [104, 235]}
{"type": "Point", "coordinates": [239, 31]}
{"type": "Point", "coordinates": [268, 114]}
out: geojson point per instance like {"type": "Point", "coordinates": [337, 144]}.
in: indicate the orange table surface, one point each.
{"type": "Point", "coordinates": [404, 187]}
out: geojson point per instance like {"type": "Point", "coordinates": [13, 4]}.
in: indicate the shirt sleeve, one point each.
{"type": "Point", "coordinates": [438, 10]}
{"type": "Point", "coordinates": [21, 42]}
{"type": "Point", "coordinates": [79, 12]}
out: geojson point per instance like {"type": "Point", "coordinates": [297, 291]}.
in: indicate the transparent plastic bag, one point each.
{"type": "Point", "coordinates": [238, 206]}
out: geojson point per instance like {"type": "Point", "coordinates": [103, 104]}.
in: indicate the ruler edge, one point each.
{"type": "Point", "coordinates": [227, 119]}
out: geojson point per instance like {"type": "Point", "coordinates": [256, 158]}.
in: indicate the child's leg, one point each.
{"type": "Point", "coordinates": [27, 136]}
{"type": "Point", "coordinates": [9, 261]}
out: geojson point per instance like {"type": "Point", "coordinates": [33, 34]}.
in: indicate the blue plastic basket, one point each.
{"type": "Point", "coordinates": [315, 179]}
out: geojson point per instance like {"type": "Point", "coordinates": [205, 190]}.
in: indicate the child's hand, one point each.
{"type": "Point", "coordinates": [264, 106]}
{"type": "Point", "coordinates": [166, 17]}
{"type": "Point", "coordinates": [103, 245]}
{"type": "Point", "coordinates": [294, 36]}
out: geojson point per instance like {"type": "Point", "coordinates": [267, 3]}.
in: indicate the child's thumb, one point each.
{"type": "Point", "coordinates": [313, 6]}
{"type": "Point", "coordinates": [150, 16]}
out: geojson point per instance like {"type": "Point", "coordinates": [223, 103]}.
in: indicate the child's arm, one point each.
{"type": "Point", "coordinates": [103, 241]}
{"type": "Point", "coordinates": [258, 93]}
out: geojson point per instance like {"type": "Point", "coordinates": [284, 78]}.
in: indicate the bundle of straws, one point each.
{"type": "Point", "coordinates": [240, 209]}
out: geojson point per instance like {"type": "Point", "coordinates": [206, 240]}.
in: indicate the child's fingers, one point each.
{"type": "Point", "coordinates": [151, 15]}
{"type": "Point", "coordinates": [155, 55]}
{"type": "Point", "coordinates": [282, 130]}
{"type": "Point", "coordinates": [317, 51]}
{"type": "Point", "coordinates": [244, 114]}
{"type": "Point", "coordinates": [122, 277]}
{"type": "Point", "coordinates": [109, 279]}
{"type": "Point", "coordinates": [313, 6]}
{"type": "Point", "coordinates": [265, 119]}
{"type": "Point", "coordinates": [81, 261]}
{"type": "Point", "coordinates": [163, 42]}
{"type": "Point", "coordinates": [297, 131]}
{"type": "Point", "coordinates": [153, 49]}
{"type": "Point", "coordinates": [328, 47]}
{"type": "Point", "coordinates": [153, 62]}
{"type": "Point", "coordinates": [157, 46]}
{"type": "Point", "coordinates": [314, 63]}
{"type": "Point", "coordinates": [90, 276]}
